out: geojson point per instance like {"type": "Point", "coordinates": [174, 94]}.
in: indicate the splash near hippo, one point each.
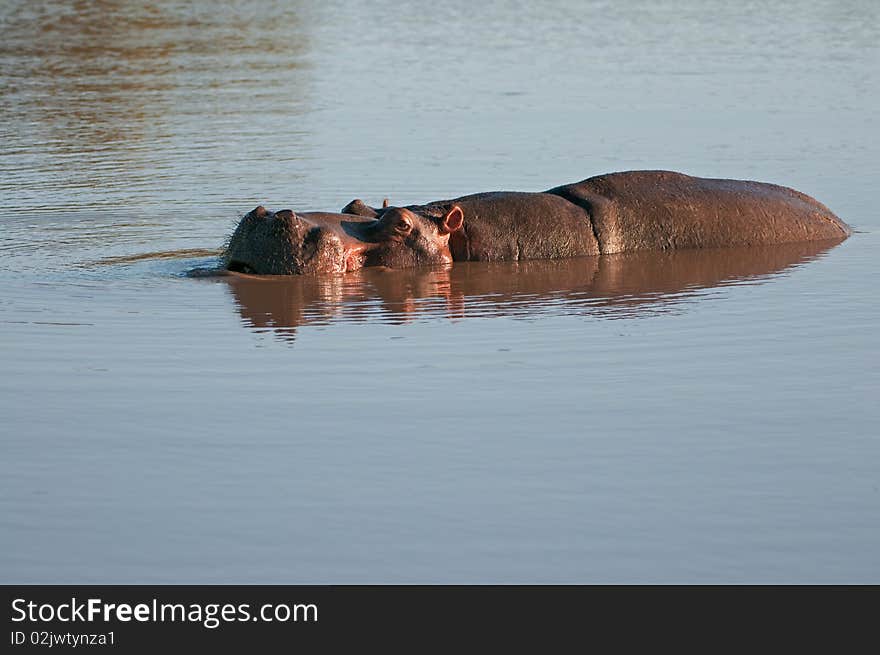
{"type": "Point", "coordinates": [618, 212]}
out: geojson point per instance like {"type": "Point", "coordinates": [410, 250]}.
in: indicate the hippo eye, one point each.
{"type": "Point", "coordinates": [403, 226]}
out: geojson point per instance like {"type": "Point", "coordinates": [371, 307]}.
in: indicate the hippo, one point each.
{"type": "Point", "coordinates": [613, 213]}
{"type": "Point", "coordinates": [625, 212]}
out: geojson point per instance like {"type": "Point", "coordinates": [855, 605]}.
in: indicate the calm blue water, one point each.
{"type": "Point", "coordinates": [695, 417]}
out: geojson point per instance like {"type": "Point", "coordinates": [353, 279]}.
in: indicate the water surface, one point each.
{"type": "Point", "coordinates": [678, 417]}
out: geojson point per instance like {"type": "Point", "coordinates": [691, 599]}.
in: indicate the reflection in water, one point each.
{"type": "Point", "coordinates": [112, 102]}
{"type": "Point", "coordinates": [613, 286]}
{"type": "Point", "coordinates": [148, 438]}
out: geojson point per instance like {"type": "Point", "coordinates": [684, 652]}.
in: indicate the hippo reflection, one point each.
{"type": "Point", "coordinates": [615, 285]}
{"type": "Point", "coordinates": [620, 212]}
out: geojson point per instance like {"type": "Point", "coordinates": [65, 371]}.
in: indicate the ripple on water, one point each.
{"type": "Point", "coordinates": [484, 423]}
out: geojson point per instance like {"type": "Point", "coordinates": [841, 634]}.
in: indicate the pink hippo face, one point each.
{"type": "Point", "coordinates": [287, 243]}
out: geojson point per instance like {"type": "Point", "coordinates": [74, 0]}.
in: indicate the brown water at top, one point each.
{"type": "Point", "coordinates": [690, 416]}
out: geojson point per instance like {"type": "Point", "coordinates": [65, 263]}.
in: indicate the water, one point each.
{"type": "Point", "coordinates": [689, 417]}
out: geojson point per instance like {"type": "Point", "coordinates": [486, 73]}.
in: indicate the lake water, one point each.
{"type": "Point", "coordinates": [687, 417]}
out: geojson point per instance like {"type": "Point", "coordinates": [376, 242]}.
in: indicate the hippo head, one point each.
{"type": "Point", "coordinates": [285, 243]}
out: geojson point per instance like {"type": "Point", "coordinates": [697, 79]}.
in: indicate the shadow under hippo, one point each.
{"type": "Point", "coordinates": [628, 284]}
{"type": "Point", "coordinates": [614, 213]}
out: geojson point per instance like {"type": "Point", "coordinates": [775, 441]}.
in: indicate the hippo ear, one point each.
{"type": "Point", "coordinates": [359, 208]}
{"type": "Point", "coordinates": [453, 220]}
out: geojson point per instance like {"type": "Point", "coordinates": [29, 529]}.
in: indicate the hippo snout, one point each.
{"type": "Point", "coordinates": [286, 215]}
{"type": "Point", "coordinates": [290, 243]}
{"type": "Point", "coordinates": [283, 243]}
{"type": "Point", "coordinates": [261, 212]}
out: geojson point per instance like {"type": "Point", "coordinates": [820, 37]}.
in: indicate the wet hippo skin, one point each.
{"type": "Point", "coordinates": [619, 212]}
{"type": "Point", "coordinates": [288, 243]}
{"type": "Point", "coordinates": [662, 210]}
{"type": "Point", "coordinates": [627, 212]}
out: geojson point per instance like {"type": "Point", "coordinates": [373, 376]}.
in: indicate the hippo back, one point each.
{"type": "Point", "coordinates": [662, 210]}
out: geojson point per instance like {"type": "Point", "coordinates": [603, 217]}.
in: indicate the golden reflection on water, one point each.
{"type": "Point", "coordinates": [106, 102]}
{"type": "Point", "coordinates": [613, 286]}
